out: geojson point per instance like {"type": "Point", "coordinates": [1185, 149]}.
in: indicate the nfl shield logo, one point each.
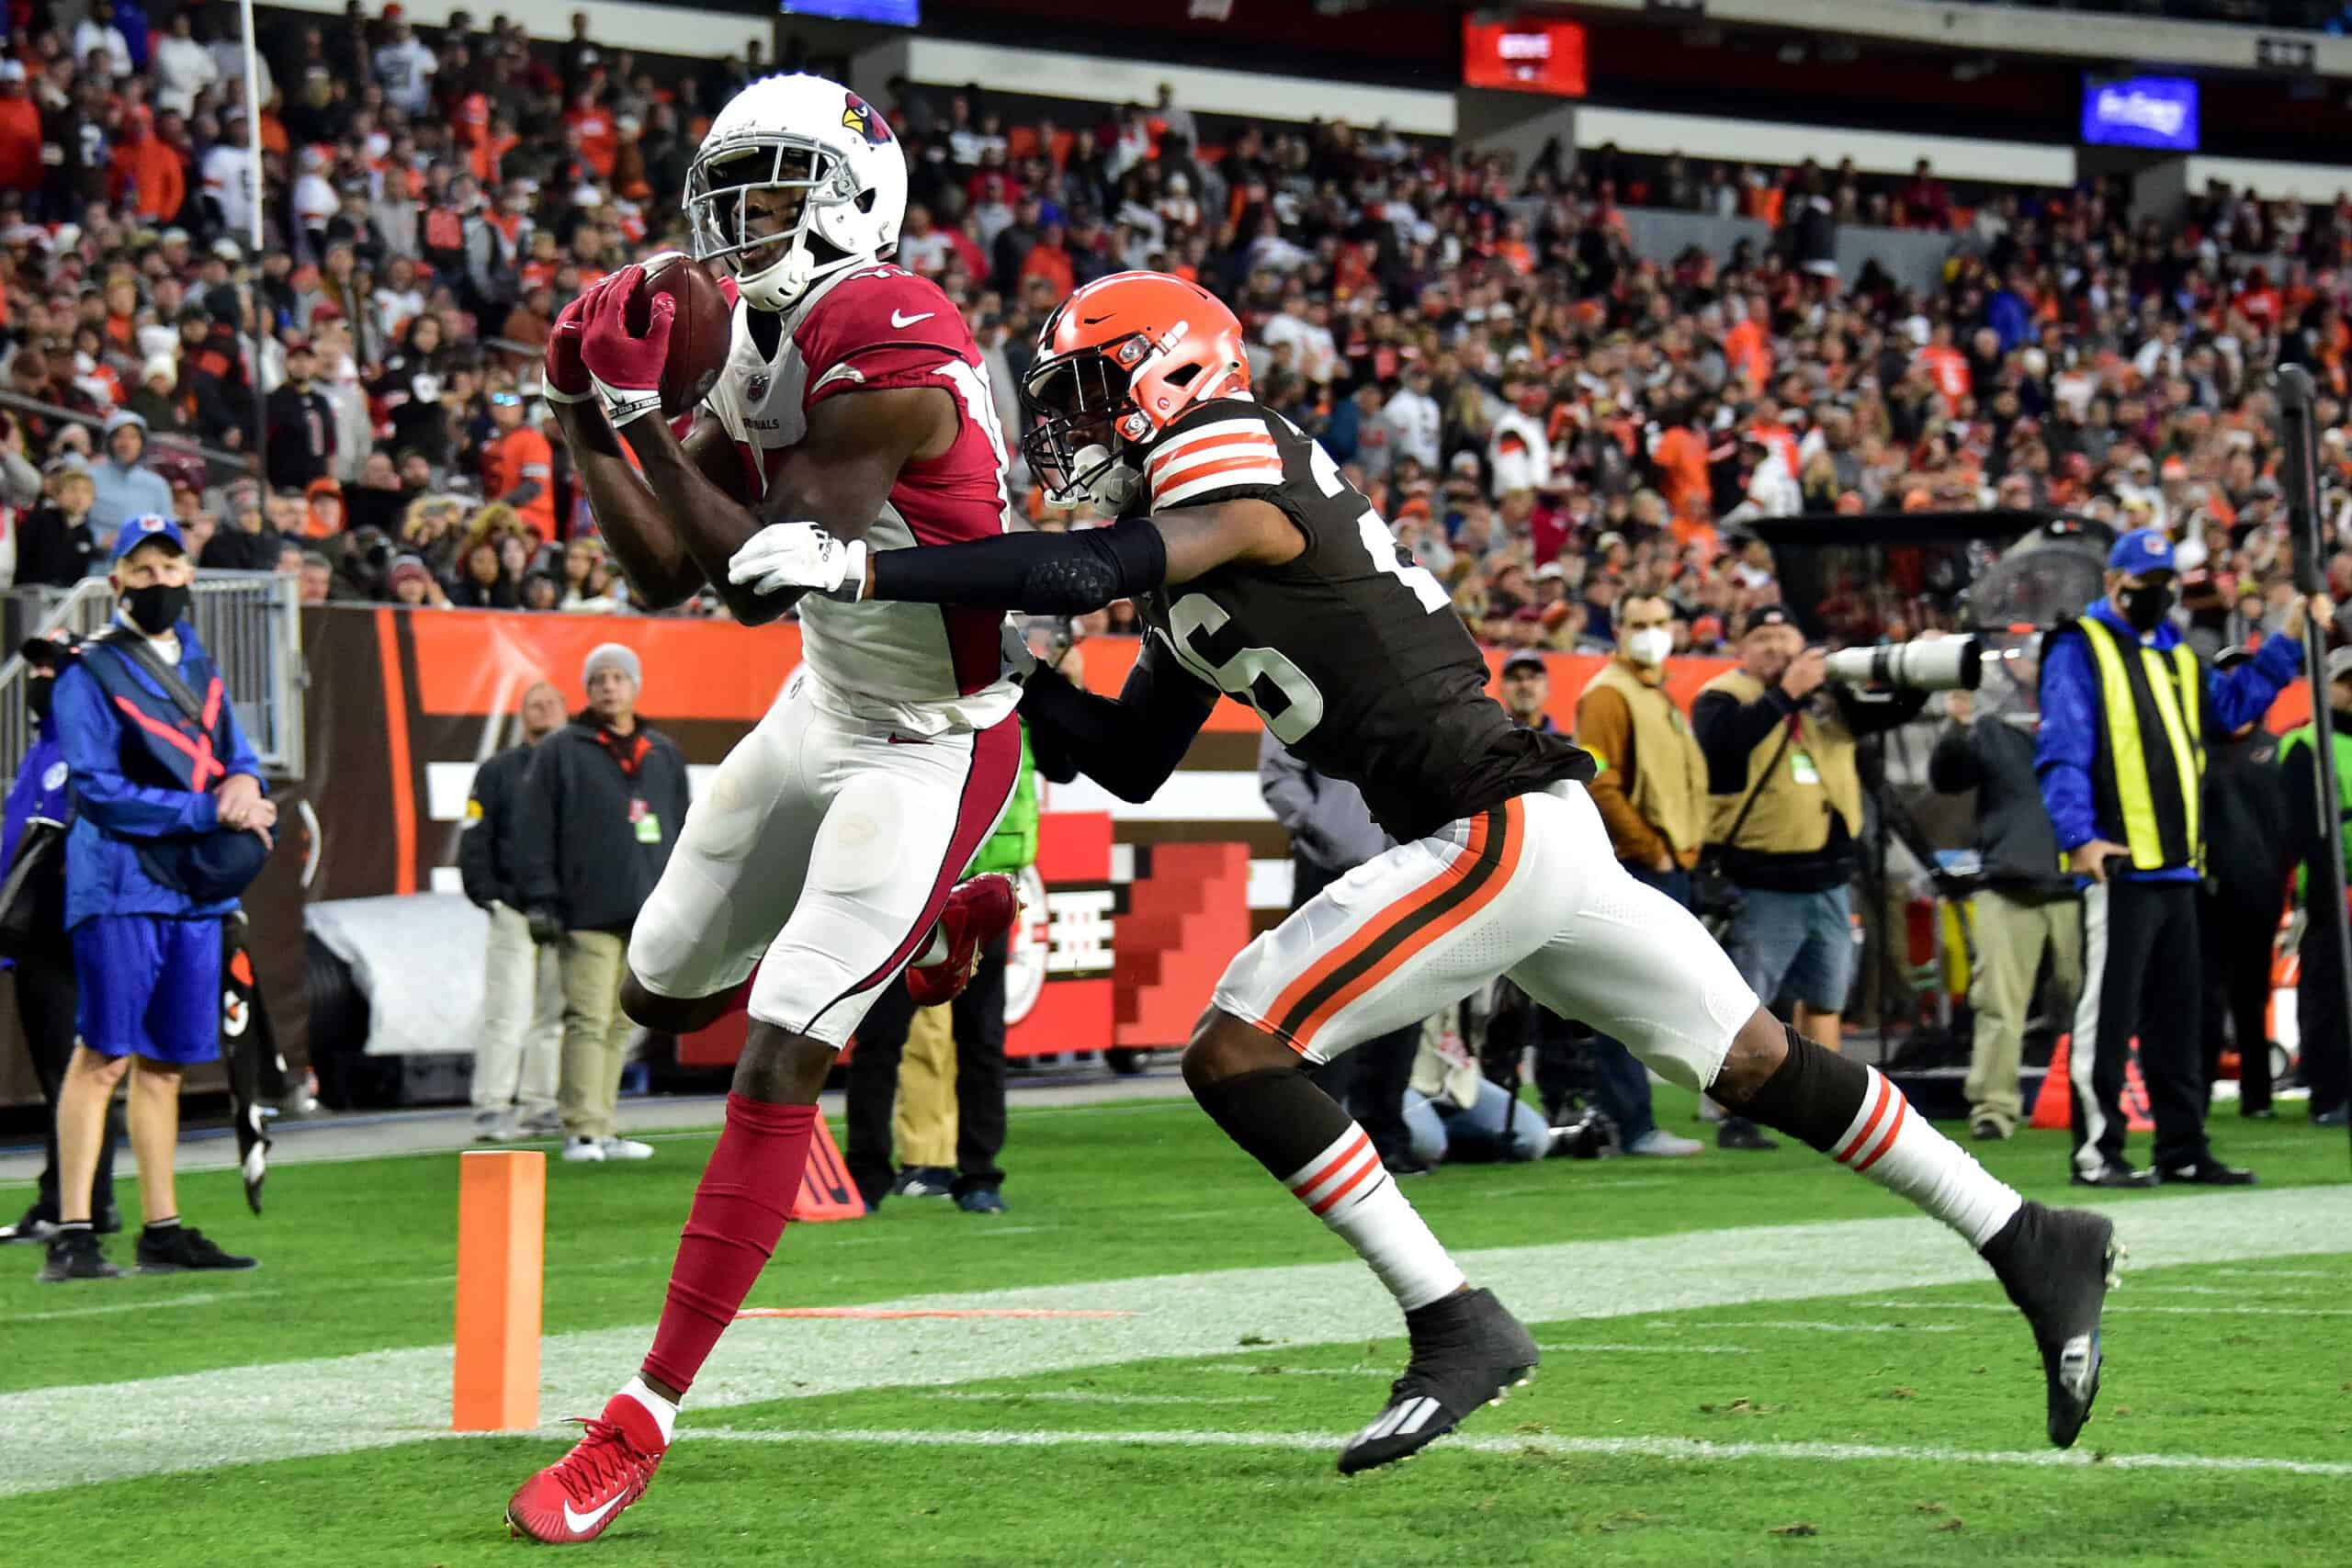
{"type": "Point", "coordinates": [757, 390]}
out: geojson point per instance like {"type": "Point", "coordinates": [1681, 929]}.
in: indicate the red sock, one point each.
{"type": "Point", "coordinates": [739, 1211]}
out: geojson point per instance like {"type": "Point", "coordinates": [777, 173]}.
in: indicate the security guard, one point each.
{"type": "Point", "coordinates": [2125, 710]}
{"type": "Point", "coordinates": [2319, 998]}
{"type": "Point", "coordinates": [170, 825]}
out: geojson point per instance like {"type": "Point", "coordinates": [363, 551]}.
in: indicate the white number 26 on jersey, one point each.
{"type": "Point", "coordinates": [1286, 699]}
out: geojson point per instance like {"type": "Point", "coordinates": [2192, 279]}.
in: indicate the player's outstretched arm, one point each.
{"type": "Point", "coordinates": [634, 523]}
{"type": "Point", "coordinates": [839, 476]}
{"type": "Point", "coordinates": [1129, 746]}
{"type": "Point", "coordinates": [1053, 575]}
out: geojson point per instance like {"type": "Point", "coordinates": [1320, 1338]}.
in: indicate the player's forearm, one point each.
{"type": "Point", "coordinates": [627, 515]}
{"type": "Point", "coordinates": [1046, 574]}
{"type": "Point", "coordinates": [709, 524]}
{"type": "Point", "coordinates": [1130, 748]}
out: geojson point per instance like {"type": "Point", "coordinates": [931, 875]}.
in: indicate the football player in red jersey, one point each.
{"type": "Point", "coordinates": [827, 850]}
{"type": "Point", "coordinates": [1265, 577]}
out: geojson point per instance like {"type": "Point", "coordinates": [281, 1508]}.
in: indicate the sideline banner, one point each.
{"type": "Point", "coordinates": [1141, 905]}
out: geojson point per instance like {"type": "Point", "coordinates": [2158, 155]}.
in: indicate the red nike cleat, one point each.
{"type": "Point", "coordinates": [975, 912]}
{"type": "Point", "coordinates": [578, 1496]}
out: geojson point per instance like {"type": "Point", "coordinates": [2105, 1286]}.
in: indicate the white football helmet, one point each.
{"type": "Point", "coordinates": [815, 140]}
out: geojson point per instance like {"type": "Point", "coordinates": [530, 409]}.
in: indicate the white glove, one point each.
{"type": "Point", "coordinates": [1019, 662]}
{"type": "Point", "coordinates": [785, 556]}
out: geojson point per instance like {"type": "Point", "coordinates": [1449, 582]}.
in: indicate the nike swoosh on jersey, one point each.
{"type": "Point", "coordinates": [577, 1522]}
{"type": "Point", "coordinates": [898, 320]}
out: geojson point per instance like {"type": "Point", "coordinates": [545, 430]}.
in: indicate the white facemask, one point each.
{"type": "Point", "coordinates": [1649, 646]}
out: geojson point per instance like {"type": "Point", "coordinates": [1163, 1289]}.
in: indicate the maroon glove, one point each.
{"type": "Point", "coordinates": [625, 366]}
{"type": "Point", "coordinates": [562, 377]}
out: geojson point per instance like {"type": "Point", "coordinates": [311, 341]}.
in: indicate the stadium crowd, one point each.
{"type": "Point", "coordinates": [1549, 419]}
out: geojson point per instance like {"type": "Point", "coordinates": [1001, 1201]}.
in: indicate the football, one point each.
{"type": "Point", "coordinates": [699, 337]}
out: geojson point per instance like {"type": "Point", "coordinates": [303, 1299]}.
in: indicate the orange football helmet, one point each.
{"type": "Point", "coordinates": [1118, 362]}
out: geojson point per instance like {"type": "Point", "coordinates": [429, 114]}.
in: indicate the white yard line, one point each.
{"type": "Point", "coordinates": [1085, 1396]}
{"type": "Point", "coordinates": [1810, 1326]}
{"type": "Point", "coordinates": [1686, 1448]}
{"type": "Point", "coordinates": [255, 1413]}
{"type": "Point", "coordinates": [2116, 1308]}
{"type": "Point", "coordinates": [1647, 1350]}
{"type": "Point", "coordinates": [156, 1303]}
{"type": "Point", "coordinates": [2236, 1292]}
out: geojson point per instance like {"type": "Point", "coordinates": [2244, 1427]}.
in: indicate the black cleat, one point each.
{"type": "Point", "coordinates": [2206, 1173]}
{"type": "Point", "coordinates": [1467, 1352]}
{"type": "Point", "coordinates": [35, 1226]}
{"type": "Point", "coordinates": [1739, 1132]}
{"type": "Point", "coordinates": [2057, 1266]}
{"type": "Point", "coordinates": [2114, 1174]}
{"type": "Point", "coordinates": [924, 1182]}
{"type": "Point", "coordinates": [184, 1246]}
{"type": "Point", "coordinates": [76, 1255]}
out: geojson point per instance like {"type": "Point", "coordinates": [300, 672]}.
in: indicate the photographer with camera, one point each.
{"type": "Point", "coordinates": [2125, 710]}
{"type": "Point", "coordinates": [1785, 811]}
{"type": "Point", "coordinates": [2027, 907]}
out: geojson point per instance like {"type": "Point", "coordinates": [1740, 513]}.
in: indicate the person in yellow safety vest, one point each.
{"type": "Point", "coordinates": [2125, 710]}
{"type": "Point", "coordinates": [2325, 1033]}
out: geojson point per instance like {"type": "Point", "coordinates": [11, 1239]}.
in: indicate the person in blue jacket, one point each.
{"type": "Point", "coordinates": [43, 963]}
{"type": "Point", "coordinates": [2125, 710]}
{"type": "Point", "coordinates": [170, 823]}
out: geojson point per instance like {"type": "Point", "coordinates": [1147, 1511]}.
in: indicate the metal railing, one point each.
{"type": "Point", "coordinates": [251, 622]}
{"type": "Point", "coordinates": [220, 464]}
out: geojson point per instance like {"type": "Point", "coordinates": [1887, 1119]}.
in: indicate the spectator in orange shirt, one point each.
{"type": "Point", "coordinates": [1049, 259]}
{"type": "Point", "coordinates": [1693, 528]}
{"type": "Point", "coordinates": [1682, 459]}
{"type": "Point", "coordinates": [20, 167]}
{"type": "Point", "coordinates": [1947, 367]}
{"type": "Point", "coordinates": [599, 137]}
{"type": "Point", "coordinates": [1745, 348]}
{"type": "Point", "coordinates": [518, 466]}
{"type": "Point", "coordinates": [147, 169]}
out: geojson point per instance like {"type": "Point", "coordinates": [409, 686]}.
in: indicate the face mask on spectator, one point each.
{"type": "Point", "coordinates": [1649, 646]}
{"type": "Point", "coordinates": [157, 607]}
{"type": "Point", "coordinates": [2146, 605]}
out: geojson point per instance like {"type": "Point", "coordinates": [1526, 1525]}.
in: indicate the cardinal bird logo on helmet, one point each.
{"type": "Point", "coordinates": [860, 117]}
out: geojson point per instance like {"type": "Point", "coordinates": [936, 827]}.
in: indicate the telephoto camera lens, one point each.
{"type": "Point", "coordinates": [1946, 665]}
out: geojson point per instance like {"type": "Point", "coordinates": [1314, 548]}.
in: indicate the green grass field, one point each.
{"type": "Point", "coordinates": [1748, 1359]}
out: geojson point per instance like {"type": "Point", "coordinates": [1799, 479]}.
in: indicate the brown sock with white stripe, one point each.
{"type": "Point", "coordinates": [1317, 1150]}
{"type": "Point", "coordinates": [1854, 1115]}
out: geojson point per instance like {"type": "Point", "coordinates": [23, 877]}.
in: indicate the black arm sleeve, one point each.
{"type": "Point", "coordinates": [1130, 746]}
{"type": "Point", "coordinates": [1046, 574]}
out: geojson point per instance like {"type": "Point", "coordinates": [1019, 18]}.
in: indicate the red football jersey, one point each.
{"type": "Point", "coordinates": [874, 329]}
